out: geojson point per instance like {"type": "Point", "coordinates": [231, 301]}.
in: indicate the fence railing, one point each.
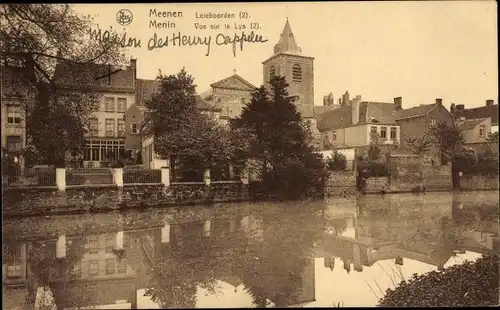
{"type": "Point", "coordinates": [63, 177]}
{"type": "Point", "coordinates": [141, 176]}
{"type": "Point", "coordinates": [30, 176]}
{"type": "Point", "coordinates": [82, 176]}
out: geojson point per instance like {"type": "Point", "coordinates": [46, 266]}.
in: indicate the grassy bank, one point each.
{"type": "Point", "coordinates": [469, 284]}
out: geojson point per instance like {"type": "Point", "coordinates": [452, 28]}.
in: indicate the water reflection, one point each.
{"type": "Point", "coordinates": [345, 251]}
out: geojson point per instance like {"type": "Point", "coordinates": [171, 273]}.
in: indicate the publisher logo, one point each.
{"type": "Point", "coordinates": [124, 17]}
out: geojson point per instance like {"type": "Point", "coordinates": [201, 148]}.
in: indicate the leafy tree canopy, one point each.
{"type": "Point", "coordinates": [280, 142]}
{"type": "Point", "coordinates": [35, 38]}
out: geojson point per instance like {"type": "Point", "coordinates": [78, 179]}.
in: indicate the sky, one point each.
{"type": "Point", "coordinates": [379, 50]}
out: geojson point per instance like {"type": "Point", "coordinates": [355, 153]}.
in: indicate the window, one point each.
{"type": "Point", "coordinates": [383, 132]}
{"type": "Point", "coordinates": [121, 128]}
{"type": "Point", "coordinates": [94, 127]}
{"type": "Point", "coordinates": [122, 266]}
{"type": "Point", "coordinates": [93, 268]}
{"type": "Point", "coordinates": [272, 72]}
{"type": "Point", "coordinates": [432, 122]}
{"type": "Point", "coordinates": [373, 130]}
{"type": "Point", "coordinates": [110, 266]}
{"type": "Point", "coordinates": [12, 258]}
{"type": "Point", "coordinates": [14, 143]}
{"type": "Point", "coordinates": [109, 243]}
{"type": "Point", "coordinates": [334, 136]}
{"type": "Point", "coordinates": [93, 244]}
{"type": "Point", "coordinates": [110, 104]}
{"type": "Point", "coordinates": [13, 271]}
{"type": "Point", "coordinates": [393, 133]}
{"type": "Point", "coordinates": [482, 131]}
{"type": "Point", "coordinates": [135, 128]}
{"type": "Point", "coordinates": [242, 100]}
{"type": "Point", "coordinates": [110, 127]}
{"type": "Point", "coordinates": [325, 140]}
{"type": "Point", "coordinates": [13, 115]}
{"type": "Point", "coordinates": [296, 73]}
{"type": "Point", "coordinates": [122, 104]}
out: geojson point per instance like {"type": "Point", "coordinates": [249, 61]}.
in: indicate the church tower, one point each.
{"type": "Point", "coordinates": [288, 61]}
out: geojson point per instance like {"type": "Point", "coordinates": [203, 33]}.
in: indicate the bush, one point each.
{"type": "Point", "coordinates": [337, 161]}
{"type": "Point", "coordinates": [466, 285]}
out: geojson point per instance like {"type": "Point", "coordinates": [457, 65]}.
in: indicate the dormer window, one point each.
{"type": "Point", "coordinates": [297, 73]}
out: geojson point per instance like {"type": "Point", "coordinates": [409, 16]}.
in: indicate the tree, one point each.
{"type": "Point", "coordinates": [182, 133]}
{"type": "Point", "coordinates": [492, 137]}
{"type": "Point", "coordinates": [448, 139]}
{"type": "Point", "coordinates": [374, 150]}
{"type": "Point", "coordinates": [418, 146]}
{"type": "Point", "coordinates": [280, 142]}
{"type": "Point", "coordinates": [337, 161]}
{"type": "Point", "coordinates": [35, 38]}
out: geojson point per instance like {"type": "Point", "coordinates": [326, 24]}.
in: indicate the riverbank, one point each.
{"type": "Point", "coordinates": [467, 285]}
{"type": "Point", "coordinates": [35, 201]}
{"type": "Point", "coordinates": [48, 200]}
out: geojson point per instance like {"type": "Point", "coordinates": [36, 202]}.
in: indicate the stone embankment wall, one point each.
{"type": "Point", "coordinates": [478, 182]}
{"type": "Point", "coordinates": [86, 198]}
{"type": "Point", "coordinates": [341, 183]}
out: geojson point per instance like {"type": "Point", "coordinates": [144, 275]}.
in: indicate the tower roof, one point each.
{"type": "Point", "coordinates": [287, 43]}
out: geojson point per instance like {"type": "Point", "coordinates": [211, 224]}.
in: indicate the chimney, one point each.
{"type": "Point", "coordinates": [460, 107]}
{"type": "Point", "coordinates": [355, 109]}
{"type": "Point", "coordinates": [439, 101]}
{"type": "Point", "coordinates": [331, 101]}
{"type": "Point", "coordinates": [133, 67]}
{"type": "Point", "coordinates": [398, 103]}
{"type": "Point", "coordinates": [345, 97]}
{"type": "Point", "coordinates": [489, 102]}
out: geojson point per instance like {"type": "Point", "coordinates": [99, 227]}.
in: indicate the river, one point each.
{"type": "Point", "coordinates": [344, 251]}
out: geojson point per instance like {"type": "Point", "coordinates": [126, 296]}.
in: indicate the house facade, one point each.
{"type": "Point", "coordinates": [105, 142]}
{"type": "Point", "coordinates": [474, 130]}
{"type": "Point", "coordinates": [415, 122]}
{"type": "Point", "coordinates": [230, 95]}
{"type": "Point", "coordinates": [489, 110]}
{"type": "Point", "coordinates": [15, 98]}
{"type": "Point", "coordinates": [353, 124]}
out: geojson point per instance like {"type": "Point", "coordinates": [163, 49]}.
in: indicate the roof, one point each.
{"type": "Point", "coordinates": [369, 112]}
{"type": "Point", "coordinates": [207, 95]}
{"type": "Point", "coordinates": [76, 75]}
{"type": "Point", "coordinates": [12, 82]}
{"type": "Point", "coordinates": [421, 110]}
{"type": "Point", "coordinates": [287, 43]}
{"type": "Point", "coordinates": [480, 112]}
{"type": "Point", "coordinates": [469, 124]}
{"type": "Point", "coordinates": [204, 105]}
{"type": "Point", "coordinates": [146, 89]}
{"type": "Point", "coordinates": [233, 82]}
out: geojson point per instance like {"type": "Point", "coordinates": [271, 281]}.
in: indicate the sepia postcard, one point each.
{"type": "Point", "coordinates": [249, 155]}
